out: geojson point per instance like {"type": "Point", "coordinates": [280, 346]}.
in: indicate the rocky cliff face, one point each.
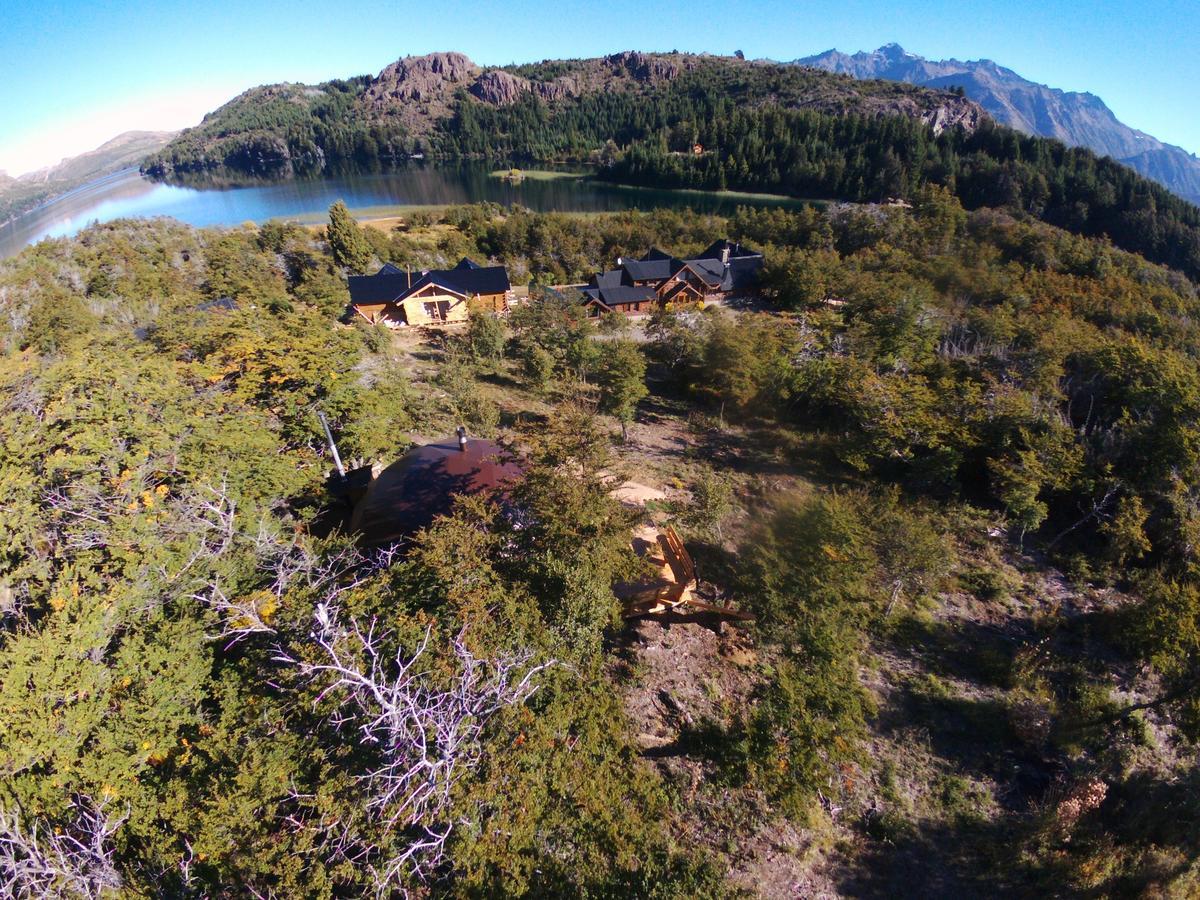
{"type": "Point", "coordinates": [1076, 119]}
{"type": "Point", "coordinates": [421, 77]}
{"type": "Point", "coordinates": [642, 67]}
{"type": "Point", "coordinates": [501, 88]}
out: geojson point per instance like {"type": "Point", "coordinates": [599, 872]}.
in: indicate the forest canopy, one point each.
{"type": "Point", "coordinates": [949, 461]}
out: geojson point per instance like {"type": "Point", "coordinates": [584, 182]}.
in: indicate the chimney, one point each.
{"type": "Point", "coordinates": [462, 438]}
{"type": "Point", "coordinates": [725, 254]}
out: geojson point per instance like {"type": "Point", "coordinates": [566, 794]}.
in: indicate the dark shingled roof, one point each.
{"type": "Point", "coordinates": [712, 271]}
{"type": "Point", "coordinates": [380, 288]}
{"type": "Point", "coordinates": [468, 281]}
{"type": "Point", "coordinates": [743, 272]}
{"type": "Point", "coordinates": [410, 493]}
{"type": "Point", "coordinates": [611, 279]}
{"type": "Point", "coordinates": [650, 270]}
{"type": "Point", "coordinates": [615, 287]}
{"type": "Point", "coordinates": [716, 248]}
{"type": "Point", "coordinates": [621, 295]}
{"type": "Point", "coordinates": [467, 278]}
{"type": "Point", "coordinates": [467, 263]}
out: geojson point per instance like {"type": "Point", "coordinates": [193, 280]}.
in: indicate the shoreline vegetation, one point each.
{"type": "Point", "coordinates": [379, 214]}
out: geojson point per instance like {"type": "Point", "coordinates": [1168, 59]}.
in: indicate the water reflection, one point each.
{"type": "Point", "coordinates": [127, 194]}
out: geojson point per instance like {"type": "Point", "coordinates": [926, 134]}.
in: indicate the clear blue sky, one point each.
{"type": "Point", "coordinates": [77, 72]}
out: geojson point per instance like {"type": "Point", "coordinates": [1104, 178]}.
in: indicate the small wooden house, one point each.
{"type": "Point", "coordinates": [438, 296]}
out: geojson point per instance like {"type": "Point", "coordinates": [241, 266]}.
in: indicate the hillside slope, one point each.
{"type": "Point", "coordinates": [954, 685]}
{"type": "Point", "coordinates": [18, 195]}
{"type": "Point", "coordinates": [1077, 119]}
{"type": "Point", "coordinates": [410, 108]}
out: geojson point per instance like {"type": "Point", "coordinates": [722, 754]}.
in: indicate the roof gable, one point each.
{"type": "Point", "coordinates": [466, 279]}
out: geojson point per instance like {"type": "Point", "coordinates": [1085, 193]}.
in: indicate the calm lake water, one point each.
{"type": "Point", "coordinates": [127, 194]}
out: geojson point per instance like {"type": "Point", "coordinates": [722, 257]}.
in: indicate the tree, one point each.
{"type": "Point", "coordinates": [486, 336]}
{"type": "Point", "coordinates": [712, 501]}
{"type": "Point", "coordinates": [622, 381]}
{"type": "Point", "coordinates": [538, 366]}
{"type": "Point", "coordinates": [346, 242]}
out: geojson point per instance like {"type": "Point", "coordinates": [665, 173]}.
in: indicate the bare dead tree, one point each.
{"type": "Point", "coordinates": [426, 735]}
{"type": "Point", "coordinates": [38, 861]}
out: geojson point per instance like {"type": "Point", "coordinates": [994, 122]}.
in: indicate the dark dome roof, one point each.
{"type": "Point", "coordinates": [410, 493]}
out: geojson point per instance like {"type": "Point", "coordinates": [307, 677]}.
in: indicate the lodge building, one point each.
{"type": "Point", "coordinates": [393, 296]}
{"type": "Point", "coordinates": [635, 287]}
{"type": "Point", "coordinates": [638, 286]}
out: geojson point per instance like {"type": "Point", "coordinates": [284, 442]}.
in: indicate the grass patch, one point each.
{"type": "Point", "coordinates": [535, 174]}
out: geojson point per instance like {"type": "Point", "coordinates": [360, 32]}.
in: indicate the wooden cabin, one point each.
{"type": "Point", "coordinates": [723, 269]}
{"type": "Point", "coordinates": [393, 296]}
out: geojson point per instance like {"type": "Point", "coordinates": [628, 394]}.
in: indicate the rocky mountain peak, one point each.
{"type": "Point", "coordinates": [423, 77]}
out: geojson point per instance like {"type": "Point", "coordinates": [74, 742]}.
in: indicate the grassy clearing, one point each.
{"type": "Point", "coordinates": [749, 196]}
{"type": "Point", "coordinates": [536, 174]}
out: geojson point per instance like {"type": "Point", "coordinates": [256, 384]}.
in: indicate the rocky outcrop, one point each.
{"type": "Point", "coordinates": [956, 112]}
{"type": "Point", "coordinates": [501, 88]}
{"type": "Point", "coordinates": [642, 66]}
{"type": "Point", "coordinates": [421, 79]}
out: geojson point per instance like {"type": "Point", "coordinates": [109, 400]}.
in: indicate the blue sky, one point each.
{"type": "Point", "coordinates": [76, 73]}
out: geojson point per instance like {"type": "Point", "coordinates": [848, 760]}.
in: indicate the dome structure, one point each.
{"type": "Point", "coordinates": [420, 486]}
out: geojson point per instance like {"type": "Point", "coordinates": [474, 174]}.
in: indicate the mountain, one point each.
{"type": "Point", "coordinates": [414, 107]}
{"type": "Point", "coordinates": [125, 150]}
{"type": "Point", "coordinates": [1076, 119]}
{"type": "Point", "coordinates": [18, 195]}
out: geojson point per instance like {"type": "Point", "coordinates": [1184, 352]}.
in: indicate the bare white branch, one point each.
{"type": "Point", "coordinates": [425, 736]}
{"type": "Point", "coordinates": [39, 861]}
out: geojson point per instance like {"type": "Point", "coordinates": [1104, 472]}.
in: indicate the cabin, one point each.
{"type": "Point", "coordinates": [393, 296]}
{"type": "Point", "coordinates": [639, 286]}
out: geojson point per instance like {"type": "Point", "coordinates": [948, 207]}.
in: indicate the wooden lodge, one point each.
{"type": "Point", "coordinates": [639, 286]}
{"type": "Point", "coordinates": [393, 296]}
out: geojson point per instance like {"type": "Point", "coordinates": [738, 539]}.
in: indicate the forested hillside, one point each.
{"type": "Point", "coordinates": [639, 118]}
{"type": "Point", "coordinates": [1077, 119]}
{"type": "Point", "coordinates": [950, 462]}
{"type": "Point", "coordinates": [287, 129]}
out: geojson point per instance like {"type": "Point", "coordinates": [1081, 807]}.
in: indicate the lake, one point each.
{"type": "Point", "coordinates": [128, 194]}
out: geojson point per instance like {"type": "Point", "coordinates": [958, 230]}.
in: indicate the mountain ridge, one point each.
{"type": "Point", "coordinates": [279, 129]}
{"type": "Point", "coordinates": [20, 194]}
{"type": "Point", "coordinates": [1077, 118]}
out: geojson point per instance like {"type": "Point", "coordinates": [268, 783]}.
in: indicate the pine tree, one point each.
{"type": "Point", "coordinates": [346, 242]}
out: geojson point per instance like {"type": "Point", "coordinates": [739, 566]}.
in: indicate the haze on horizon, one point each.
{"type": "Point", "coordinates": [78, 74]}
